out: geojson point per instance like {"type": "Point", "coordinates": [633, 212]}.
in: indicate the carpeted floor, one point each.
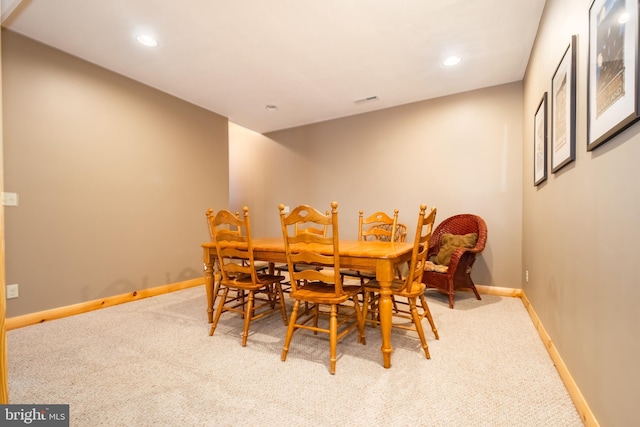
{"type": "Point", "coordinates": [152, 363]}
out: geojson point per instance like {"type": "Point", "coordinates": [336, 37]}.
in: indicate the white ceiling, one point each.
{"type": "Point", "coordinates": [311, 58]}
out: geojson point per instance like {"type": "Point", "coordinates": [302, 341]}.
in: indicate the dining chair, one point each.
{"type": "Point", "coordinates": [256, 295]}
{"type": "Point", "coordinates": [411, 287]}
{"type": "Point", "coordinates": [377, 226]}
{"type": "Point", "coordinates": [260, 266]}
{"type": "Point", "coordinates": [319, 287]}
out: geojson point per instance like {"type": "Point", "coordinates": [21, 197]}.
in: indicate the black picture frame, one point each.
{"type": "Point", "coordinates": [540, 142]}
{"type": "Point", "coordinates": [612, 82]}
{"type": "Point", "coordinates": [563, 109]}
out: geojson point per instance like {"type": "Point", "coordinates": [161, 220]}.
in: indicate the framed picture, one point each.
{"type": "Point", "coordinates": [563, 110]}
{"type": "Point", "coordinates": [612, 90]}
{"type": "Point", "coordinates": [540, 142]}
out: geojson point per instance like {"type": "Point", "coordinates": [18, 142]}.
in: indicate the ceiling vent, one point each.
{"type": "Point", "coordinates": [366, 100]}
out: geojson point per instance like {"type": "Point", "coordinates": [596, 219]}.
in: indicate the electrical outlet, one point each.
{"type": "Point", "coordinates": [286, 209]}
{"type": "Point", "coordinates": [12, 291]}
{"type": "Point", "coordinates": [526, 276]}
{"type": "Point", "coordinates": [10, 199]}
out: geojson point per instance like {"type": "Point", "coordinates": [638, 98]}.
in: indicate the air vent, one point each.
{"type": "Point", "coordinates": [367, 99]}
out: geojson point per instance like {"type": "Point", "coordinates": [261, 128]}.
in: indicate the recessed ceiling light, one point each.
{"type": "Point", "coordinates": [147, 40]}
{"type": "Point", "coordinates": [451, 61]}
{"type": "Point", "coordinates": [271, 107]}
{"type": "Point", "coordinates": [624, 17]}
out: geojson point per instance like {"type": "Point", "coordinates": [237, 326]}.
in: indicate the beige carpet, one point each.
{"type": "Point", "coordinates": [152, 363]}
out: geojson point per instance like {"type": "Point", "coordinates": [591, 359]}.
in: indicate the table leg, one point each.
{"type": "Point", "coordinates": [384, 275]}
{"type": "Point", "coordinates": [208, 283]}
{"type": "Point", "coordinates": [385, 325]}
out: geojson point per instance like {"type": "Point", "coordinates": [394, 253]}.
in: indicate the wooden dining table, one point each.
{"type": "Point", "coordinates": [381, 257]}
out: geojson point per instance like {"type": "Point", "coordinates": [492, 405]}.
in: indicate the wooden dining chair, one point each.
{"type": "Point", "coordinates": [260, 266]}
{"type": "Point", "coordinates": [411, 287]}
{"type": "Point", "coordinates": [318, 287]}
{"type": "Point", "coordinates": [255, 295]}
{"type": "Point", "coordinates": [377, 226]}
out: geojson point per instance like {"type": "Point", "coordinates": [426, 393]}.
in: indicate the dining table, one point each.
{"type": "Point", "coordinates": [379, 256]}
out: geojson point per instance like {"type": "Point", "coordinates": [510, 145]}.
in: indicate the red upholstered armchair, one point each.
{"type": "Point", "coordinates": [457, 275]}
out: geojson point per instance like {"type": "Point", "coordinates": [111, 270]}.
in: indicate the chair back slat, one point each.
{"type": "Point", "coordinates": [311, 275]}
{"type": "Point", "coordinates": [308, 257]}
{"type": "Point", "coordinates": [309, 238]}
{"type": "Point", "coordinates": [304, 216]}
{"type": "Point", "coordinates": [319, 231]}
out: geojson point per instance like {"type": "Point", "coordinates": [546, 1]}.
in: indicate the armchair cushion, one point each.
{"type": "Point", "coordinates": [451, 242]}
{"type": "Point", "coordinates": [430, 266]}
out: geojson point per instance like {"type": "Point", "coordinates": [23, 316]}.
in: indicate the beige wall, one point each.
{"type": "Point", "coordinates": [461, 154]}
{"type": "Point", "coordinates": [113, 179]}
{"type": "Point", "coordinates": [580, 234]}
{"type": "Point", "coordinates": [4, 386]}
{"type": "Point", "coordinates": [107, 169]}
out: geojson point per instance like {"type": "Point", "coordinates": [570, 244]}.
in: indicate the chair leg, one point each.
{"type": "Point", "coordinates": [219, 311]}
{"type": "Point", "coordinates": [271, 294]}
{"type": "Point", "coordinates": [248, 314]}
{"type": "Point", "coordinates": [290, 329]}
{"type": "Point", "coordinates": [241, 295]}
{"type": "Point", "coordinates": [370, 301]}
{"type": "Point", "coordinates": [427, 313]}
{"type": "Point", "coordinates": [418, 325]}
{"type": "Point", "coordinates": [283, 309]}
{"type": "Point", "coordinates": [395, 304]}
{"type": "Point", "coordinates": [362, 339]}
{"type": "Point", "coordinates": [450, 292]}
{"type": "Point", "coordinates": [473, 288]}
{"type": "Point", "coordinates": [216, 289]}
{"type": "Point", "coordinates": [365, 305]}
{"type": "Point", "coordinates": [316, 315]}
{"type": "Point", "coordinates": [333, 338]}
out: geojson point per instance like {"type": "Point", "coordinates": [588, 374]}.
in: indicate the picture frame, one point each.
{"type": "Point", "coordinates": [540, 142]}
{"type": "Point", "coordinates": [612, 82]}
{"type": "Point", "coordinates": [563, 109]}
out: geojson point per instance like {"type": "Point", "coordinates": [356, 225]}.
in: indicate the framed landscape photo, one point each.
{"type": "Point", "coordinates": [540, 142]}
{"type": "Point", "coordinates": [612, 88]}
{"type": "Point", "coordinates": [563, 110]}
